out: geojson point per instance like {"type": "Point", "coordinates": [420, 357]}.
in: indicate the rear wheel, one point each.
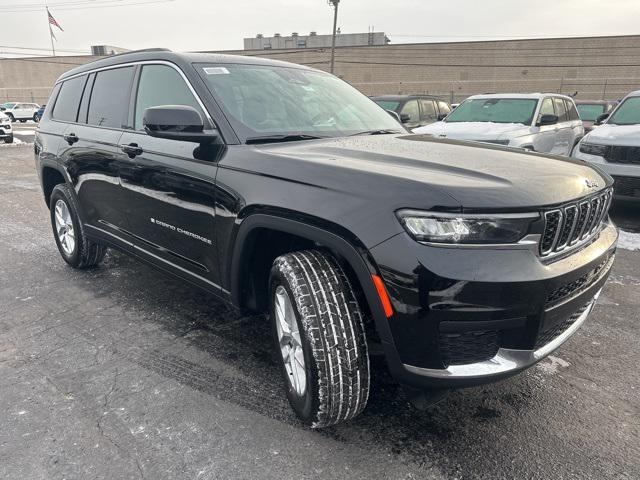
{"type": "Point", "coordinates": [35, 117]}
{"type": "Point", "coordinates": [8, 139]}
{"type": "Point", "coordinates": [76, 249]}
{"type": "Point", "coordinates": [319, 334]}
{"type": "Point", "coordinates": [11, 117]}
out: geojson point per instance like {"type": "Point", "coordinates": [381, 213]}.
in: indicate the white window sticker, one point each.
{"type": "Point", "coordinates": [216, 71]}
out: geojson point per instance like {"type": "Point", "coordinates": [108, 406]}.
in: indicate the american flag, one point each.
{"type": "Point", "coordinates": [52, 21]}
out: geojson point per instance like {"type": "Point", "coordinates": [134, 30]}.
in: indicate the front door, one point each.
{"type": "Point", "coordinates": [169, 187]}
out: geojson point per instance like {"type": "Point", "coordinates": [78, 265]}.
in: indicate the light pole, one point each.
{"type": "Point", "coordinates": [335, 26]}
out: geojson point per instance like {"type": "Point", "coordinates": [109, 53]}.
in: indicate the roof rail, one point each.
{"type": "Point", "coordinates": [140, 51]}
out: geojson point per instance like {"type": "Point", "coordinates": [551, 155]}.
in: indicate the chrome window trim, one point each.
{"type": "Point", "coordinates": [147, 62]}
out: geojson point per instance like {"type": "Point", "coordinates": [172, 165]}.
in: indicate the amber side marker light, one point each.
{"type": "Point", "coordinates": [382, 295]}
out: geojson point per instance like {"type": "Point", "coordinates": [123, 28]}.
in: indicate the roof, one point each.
{"type": "Point", "coordinates": [177, 58]}
{"type": "Point", "coordinates": [533, 96]}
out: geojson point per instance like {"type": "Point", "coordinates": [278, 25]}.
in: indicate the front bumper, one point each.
{"type": "Point", "coordinates": [625, 176]}
{"type": "Point", "coordinates": [465, 317]}
{"type": "Point", "coordinates": [6, 131]}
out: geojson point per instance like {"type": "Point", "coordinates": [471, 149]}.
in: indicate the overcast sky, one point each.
{"type": "Point", "coordinates": [221, 25]}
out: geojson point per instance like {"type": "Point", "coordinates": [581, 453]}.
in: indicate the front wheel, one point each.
{"type": "Point", "coordinates": [8, 139]}
{"type": "Point", "coordinates": [35, 117]}
{"type": "Point", "coordinates": [76, 249]}
{"type": "Point", "coordinates": [319, 334]}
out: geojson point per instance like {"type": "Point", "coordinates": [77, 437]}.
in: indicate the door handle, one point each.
{"type": "Point", "coordinates": [132, 150]}
{"type": "Point", "coordinates": [71, 138]}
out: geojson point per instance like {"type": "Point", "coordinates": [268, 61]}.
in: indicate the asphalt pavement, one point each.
{"type": "Point", "coordinates": [121, 372]}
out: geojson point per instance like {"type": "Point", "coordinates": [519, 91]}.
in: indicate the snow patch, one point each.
{"type": "Point", "coordinates": [551, 364]}
{"type": "Point", "coordinates": [470, 129]}
{"type": "Point", "coordinates": [629, 240]}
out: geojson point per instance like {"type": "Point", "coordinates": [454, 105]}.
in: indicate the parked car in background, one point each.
{"type": "Point", "coordinates": [615, 146]}
{"type": "Point", "coordinates": [20, 111]}
{"type": "Point", "coordinates": [542, 122]}
{"type": "Point", "coordinates": [590, 110]}
{"type": "Point", "coordinates": [39, 113]}
{"type": "Point", "coordinates": [6, 132]}
{"type": "Point", "coordinates": [415, 110]}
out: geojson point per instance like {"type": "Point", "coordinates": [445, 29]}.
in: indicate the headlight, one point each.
{"type": "Point", "coordinates": [593, 149]}
{"type": "Point", "coordinates": [466, 229]}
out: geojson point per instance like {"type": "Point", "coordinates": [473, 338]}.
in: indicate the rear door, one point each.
{"type": "Point", "coordinates": [169, 184]}
{"type": "Point", "coordinates": [577, 129]}
{"type": "Point", "coordinates": [90, 150]}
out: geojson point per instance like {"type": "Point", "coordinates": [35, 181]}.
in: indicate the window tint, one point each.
{"type": "Point", "coordinates": [496, 110]}
{"type": "Point", "coordinates": [572, 113]}
{"type": "Point", "coordinates": [411, 108]}
{"type": "Point", "coordinates": [444, 107]}
{"type": "Point", "coordinates": [66, 107]}
{"type": "Point", "coordinates": [162, 85]}
{"type": "Point", "coordinates": [590, 111]}
{"type": "Point", "coordinates": [110, 97]}
{"type": "Point", "coordinates": [428, 108]}
{"type": "Point", "coordinates": [547, 107]}
{"type": "Point", "coordinates": [561, 110]}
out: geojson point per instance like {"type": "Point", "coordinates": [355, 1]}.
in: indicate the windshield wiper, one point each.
{"type": "Point", "coordinates": [376, 132]}
{"type": "Point", "coordinates": [282, 138]}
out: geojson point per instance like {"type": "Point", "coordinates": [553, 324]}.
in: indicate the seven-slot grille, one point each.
{"type": "Point", "coordinates": [574, 223]}
{"type": "Point", "coordinates": [622, 154]}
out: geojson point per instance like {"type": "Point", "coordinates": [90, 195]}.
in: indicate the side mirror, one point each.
{"type": "Point", "coordinates": [442, 116]}
{"type": "Point", "coordinates": [405, 117]}
{"type": "Point", "coordinates": [547, 120]}
{"type": "Point", "coordinates": [601, 118]}
{"type": "Point", "coordinates": [177, 122]}
{"type": "Point", "coordinates": [394, 115]}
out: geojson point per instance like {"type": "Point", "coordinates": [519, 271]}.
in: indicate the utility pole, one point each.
{"type": "Point", "coordinates": [335, 27]}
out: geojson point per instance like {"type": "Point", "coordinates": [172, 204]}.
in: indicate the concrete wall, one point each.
{"type": "Point", "coordinates": [595, 67]}
{"type": "Point", "coordinates": [31, 79]}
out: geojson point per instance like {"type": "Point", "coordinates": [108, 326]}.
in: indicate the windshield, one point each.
{"type": "Point", "coordinates": [8, 105]}
{"type": "Point", "coordinates": [628, 113]}
{"type": "Point", "coordinates": [388, 104]}
{"type": "Point", "coordinates": [262, 101]}
{"type": "Point", "coordinates": [497, 110]}
{"type": "Point", "coordinates": [590, 111]}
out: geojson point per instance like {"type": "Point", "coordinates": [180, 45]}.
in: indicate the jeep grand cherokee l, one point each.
{"type": "Point", "coordinates": [282, 189]}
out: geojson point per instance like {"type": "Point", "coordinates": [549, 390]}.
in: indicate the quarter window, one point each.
{"type": "Point", "coordinates": [444, 107]}
{"type": "Point", "coordinates": [572, 113]}
{"type": "Point", "coordinates": [110, 98]}
{"type": "Point", "coordinates": [68, 101]}
{"type": "Point", "coordinates": [161, 85]}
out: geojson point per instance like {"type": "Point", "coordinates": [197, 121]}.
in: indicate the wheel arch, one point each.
{"type": "Point", "coordinates": [346, 247]}
{"type": "Point", "coordinates": [50, 177]}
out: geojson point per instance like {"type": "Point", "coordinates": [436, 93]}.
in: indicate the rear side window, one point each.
{"type": "Point", "coordinates": [428, 108]}
{"type": "Point", "coordinates": [109, 102]}
{"type": "Point", "coordinates": [68, 101]}
{"type": "Point", "coordinates": [572, 113]}
{"type": "Point", "coordinates": [162, 85]}
{"type": "Point", "coordinates": [561, 110]}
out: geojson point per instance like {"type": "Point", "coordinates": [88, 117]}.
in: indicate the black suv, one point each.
{"type": "Point", "coordinates": [415, 110]}
{"type": "Point", "coordinates": [282, 189]}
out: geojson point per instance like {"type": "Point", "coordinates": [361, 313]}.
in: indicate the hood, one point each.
{"type": "Point", "coordinates": [609, 134]}
{"type": "Point", "coordinates": [475, 130]}
{"type": "Point", "coordinates": [410, 171]}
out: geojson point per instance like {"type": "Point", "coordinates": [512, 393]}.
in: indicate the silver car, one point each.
{"type": "Point", "coordinates": [542, 122]}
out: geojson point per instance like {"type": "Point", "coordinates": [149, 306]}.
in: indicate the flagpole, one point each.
{"type": "Point", "coordinates": [53, 48]}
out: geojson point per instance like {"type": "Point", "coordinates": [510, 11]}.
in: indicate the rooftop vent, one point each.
{"type": "Point", "coordinates": [276, 35]}
{"type": "Point", "coordinates": [259, 35]}
{"type": "Point", "coordinates": [294, 34]}
{"type": "Point", "coordinates": [313, 34]}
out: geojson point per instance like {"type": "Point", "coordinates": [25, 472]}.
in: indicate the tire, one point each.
{"type": "Point", "coordinates": [35, 117]}
{"type": "Point", "coordinates": [11, 117]}
{"type": "Point", "coordinates": [330, 339]}
{"type": "Point", "coordinates": [84, 253]}
{"type": "Point", "coordinates": [8, 140]}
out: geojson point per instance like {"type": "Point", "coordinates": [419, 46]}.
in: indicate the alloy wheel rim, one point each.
{"type": "Point", "coordinates": [290, 342]}
{"type": "Point", "coordinates": [64, 227]}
